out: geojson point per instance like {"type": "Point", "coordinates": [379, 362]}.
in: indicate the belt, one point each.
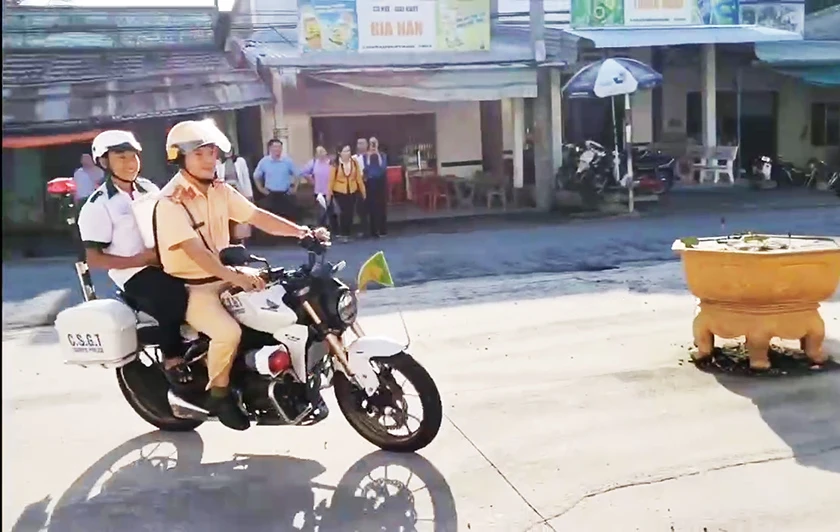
{"type": "Point", "coordinates": [278, 191]}
{"type": "Point", "coordinates": [205, 280]}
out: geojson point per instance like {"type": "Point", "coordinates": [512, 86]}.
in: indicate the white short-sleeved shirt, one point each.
{"type": "Point", "coordinates": [360, 158]}
{"type": "Point", "coordinates": [108, 222]}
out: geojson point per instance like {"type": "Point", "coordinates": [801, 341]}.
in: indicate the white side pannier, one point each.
{"type": "Point", "coordinates": [102, 332]}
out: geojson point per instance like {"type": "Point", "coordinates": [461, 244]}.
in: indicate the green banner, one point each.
{"type": "Point", "coordinates": [595, 13]}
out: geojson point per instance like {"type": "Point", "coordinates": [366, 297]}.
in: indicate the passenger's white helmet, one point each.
{"type": "Point", "coordinates": [188, 136]}
{"type": "Point", "coordinates": [113, 139]}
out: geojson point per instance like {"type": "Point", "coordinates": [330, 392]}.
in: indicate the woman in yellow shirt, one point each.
{"type": "Point", "coordinates": [347, 188]}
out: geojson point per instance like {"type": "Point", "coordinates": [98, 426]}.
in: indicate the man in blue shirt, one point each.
{"type": "Point", "coordinates": [276, 178]}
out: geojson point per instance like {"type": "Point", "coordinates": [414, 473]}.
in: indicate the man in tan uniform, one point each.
{"type": "Point", "coordinates": [192, 223]}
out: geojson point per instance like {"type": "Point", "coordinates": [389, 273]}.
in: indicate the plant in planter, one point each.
{"type": "Point", "coordinates": [760, 287]}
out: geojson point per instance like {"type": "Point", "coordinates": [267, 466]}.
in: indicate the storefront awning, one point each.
{"type": "Point", "coordinates": [814, 62]}
{"type": "Point", "coordinates": [824, 75]}
{"type": "Point", "coordinates": [51, 90]}
{"type": "Point", "coordinates": [630, 37]}
{"type": "Point", "coordinates": [441, 85]}
{"type": "Point", "coordinates": [803, 53]}
{"type": "Point", "coordinates": [48, 140]}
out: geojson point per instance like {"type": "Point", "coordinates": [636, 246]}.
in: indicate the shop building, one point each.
{"type": "Point", "coordinates": [69, 73]}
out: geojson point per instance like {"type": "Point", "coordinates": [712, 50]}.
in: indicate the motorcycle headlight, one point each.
{"type": "Point", "coordinates": [346, 307]}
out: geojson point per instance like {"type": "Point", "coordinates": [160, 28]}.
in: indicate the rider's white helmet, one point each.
{"type": "Point", "coordinates": [113, 139]}
{"type": "Point", "coordinates": [188, 136]}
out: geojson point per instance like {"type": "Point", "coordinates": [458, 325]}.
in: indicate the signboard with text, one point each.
{"type": "Point", "coordinates": [780, 14]}
{"type": "Point", "coordinates": [394, 25]}
{"type": "Point", "coordinates": [596, 13]}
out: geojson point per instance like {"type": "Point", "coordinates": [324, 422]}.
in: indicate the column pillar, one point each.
{"type": "Point", "coordinates": [518, 123]}
{"type": "Point", "coordinates": [273, 119]}
{"type": "Point", "coordinates": [556, 118]}
{"type": "Point", "coordinates": [708, 72]}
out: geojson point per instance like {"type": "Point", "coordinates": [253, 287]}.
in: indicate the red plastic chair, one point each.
{"type": "Point", "coordinates": [396, 184]}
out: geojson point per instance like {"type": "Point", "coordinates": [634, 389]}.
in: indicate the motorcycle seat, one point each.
{"type": "Point", "coordinates": [130, 301]}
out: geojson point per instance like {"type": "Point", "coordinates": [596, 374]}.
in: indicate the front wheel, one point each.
{"type": "Point", "coordinates": [384, 419]}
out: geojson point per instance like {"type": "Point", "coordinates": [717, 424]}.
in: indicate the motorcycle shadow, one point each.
{"type": "Point", "coordinates": [157, 482]}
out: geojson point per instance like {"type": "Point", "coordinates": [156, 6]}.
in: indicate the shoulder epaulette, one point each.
{"type": "Point", "coordinates": [96, 195]}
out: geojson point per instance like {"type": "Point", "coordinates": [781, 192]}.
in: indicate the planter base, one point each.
{"type": "Point", "coordinates": [760, 324]}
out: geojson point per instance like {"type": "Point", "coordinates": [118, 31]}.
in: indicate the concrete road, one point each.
{"type": "Point", "coordinates": [569, 408]}
{"type": "Point", "coordinates": [34, 291]}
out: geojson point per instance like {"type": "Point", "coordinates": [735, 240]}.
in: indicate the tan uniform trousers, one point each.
{"type": "Point", "coordinates": [206, 314]}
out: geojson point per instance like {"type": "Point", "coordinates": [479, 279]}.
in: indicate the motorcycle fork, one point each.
{"type": "Point", "coordinates": [336, 346]}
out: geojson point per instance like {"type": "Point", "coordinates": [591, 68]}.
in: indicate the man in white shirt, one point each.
{"type": "Point", "coordinates": [87, 178]}
{"type": "Point", "coordinates": [233, 169]}
{"type": "Point", "coordinates": [112, 239]}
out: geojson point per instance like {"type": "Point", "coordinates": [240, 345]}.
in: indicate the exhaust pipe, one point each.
{"type": "Point", "coordinates": [184, 409]}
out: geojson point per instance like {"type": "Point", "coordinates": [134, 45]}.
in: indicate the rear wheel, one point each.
{"type": "Point", "coordinates": [145, 387]}
{"type": "Point", "coordinates": [385, 419]}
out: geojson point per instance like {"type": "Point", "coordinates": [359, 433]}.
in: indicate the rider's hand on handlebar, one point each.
{"type": "Point", "coordinates": [249, 282]}
{"type": "Point", "coordinates": [322, 234]}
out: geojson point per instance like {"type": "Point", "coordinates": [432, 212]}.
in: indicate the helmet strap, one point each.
{"type": "Point", "coordinates": [111, 175]}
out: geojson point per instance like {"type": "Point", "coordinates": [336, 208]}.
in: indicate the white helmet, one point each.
{"type": "Point", "coordinates": [111, 139]}
{"type": "Point", "coordinates": [188, 136]}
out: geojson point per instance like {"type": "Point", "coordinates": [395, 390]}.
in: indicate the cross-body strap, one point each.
{"type": "Point", "coordinates": [197, 228]}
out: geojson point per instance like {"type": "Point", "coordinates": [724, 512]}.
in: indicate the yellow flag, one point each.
{"type": "Point", "coordinates": [374, 270]}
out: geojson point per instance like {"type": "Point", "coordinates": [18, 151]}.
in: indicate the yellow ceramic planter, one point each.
{"type": "Point", "coordinates": [761, 287]}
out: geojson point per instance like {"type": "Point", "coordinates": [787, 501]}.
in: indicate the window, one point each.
{"type": "Point", "coordinates": [825, 124]}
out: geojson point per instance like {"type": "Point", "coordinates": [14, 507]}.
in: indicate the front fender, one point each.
{"type": "Point", "coordinates": [362, 350]}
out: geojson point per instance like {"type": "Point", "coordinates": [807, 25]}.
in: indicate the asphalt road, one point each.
{"type": "Point", "coordinates": [34, 291]}
{"type": "Point", "coordinates": [569, 408]}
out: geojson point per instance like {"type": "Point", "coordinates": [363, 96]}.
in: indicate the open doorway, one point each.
{"type": "Point", "coordinates": [396, 133]}
{"type": "Point", "coordinates": [759, 122]}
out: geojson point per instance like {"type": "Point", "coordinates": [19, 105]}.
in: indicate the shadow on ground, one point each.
{"type": "Point", "coordinates": [804, 411]}
{"type": "Point", "coordinates": [157, 482]}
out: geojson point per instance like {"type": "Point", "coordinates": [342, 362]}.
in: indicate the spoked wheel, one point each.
{"type": "Point", "coordinates": [405, 413]}
{"type": "Point", "coordinates": [145, 387]}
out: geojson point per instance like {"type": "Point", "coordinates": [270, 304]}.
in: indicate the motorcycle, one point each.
{"type": "Point", "coordinates": [590, 169]}
{"type": "Point", "coordinates": [653, 171]}
{"type": "Point", "coordinates": [295, 343]}
{"type": "Point", "coordinates": [834, 183]}
{"type": "Point", "coordinates": [769, 172]}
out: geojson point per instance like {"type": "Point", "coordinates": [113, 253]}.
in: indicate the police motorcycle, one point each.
{"type": "Point", "coordinates": [297, 340]}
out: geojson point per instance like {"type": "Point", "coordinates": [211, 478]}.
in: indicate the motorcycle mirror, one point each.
{"type": "Point", "coordinates": [234, 256]}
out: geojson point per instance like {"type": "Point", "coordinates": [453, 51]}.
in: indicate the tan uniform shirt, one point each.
{"type": "Point", "coordinates": [212, 215]}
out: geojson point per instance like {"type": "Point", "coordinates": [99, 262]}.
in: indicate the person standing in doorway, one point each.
{"type": "Point", "coordinates": [276, 178]}
{"type": "Point", "coordinates": [87, 178]}
{"type": "Point", "coordinates": [317, 171]}
{"type": "Point", "coordinates": [361, 153]}
{"type": "Point", "coordinates": [346, 188]}
{"type": "Point", "coordinates": [376, 185]}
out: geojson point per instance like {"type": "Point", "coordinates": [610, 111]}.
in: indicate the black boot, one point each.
{"type": "Point", "coordinates": [226, 408]}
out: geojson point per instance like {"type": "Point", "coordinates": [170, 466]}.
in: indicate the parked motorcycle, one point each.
{"type": "Point", "coordinates": [765, 169]}
{"type": "Point", "coordinates": [294, 344]}
{"type": "Point", "coordinates": [590, 169]}
{"type": "Point", "coordinates": [834, 183]}
{"type": "Point", "coordinates": [653, 171]}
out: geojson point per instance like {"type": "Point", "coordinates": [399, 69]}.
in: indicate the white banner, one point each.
{"type": "Point", "coordinates": [388, 25]}
{"type": "Point", "coordinates": [659, 12]}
